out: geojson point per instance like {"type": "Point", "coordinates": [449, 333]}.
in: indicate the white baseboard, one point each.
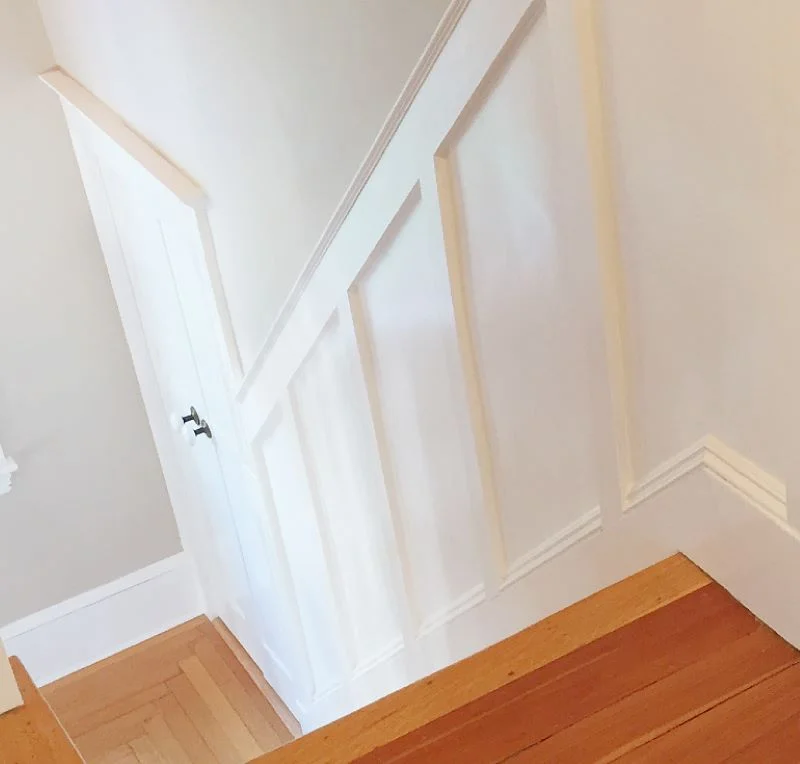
{"type": "Point", "coordinates": [727, 515]}
{"type": "Point", "coordinates": [714, 456]}
{"type": "Point", "coordinates": [85, 629]}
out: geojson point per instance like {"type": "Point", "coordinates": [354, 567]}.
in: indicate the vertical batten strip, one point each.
{"type": "Point", "coordinates": [262, 475]}
{"type": "Point", "coordinates": [353, 309]}
{"type": "Point", "coordinates": [577, 62]}
{"type": "Point", "coordinates": [611, 274]}
{"type": "Point", "coordinates": [345, 627]}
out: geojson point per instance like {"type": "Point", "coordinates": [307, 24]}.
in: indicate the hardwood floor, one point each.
{"type": "Point", "coordinates": [647, 692]}
{"type": "Point", "coordinates": [31, 733]}
{"type": "Point", "coordinates": [180, 698]}
{"type": "Point", "coordinates": [663, 667]}
{"type": "Point", "coordinates": [495, 668]}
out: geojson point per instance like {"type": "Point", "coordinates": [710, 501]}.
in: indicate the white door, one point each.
{"type": "Point", "coordinates": [155, 255]}
{"type": "Point", "coordinates": [158, 257]}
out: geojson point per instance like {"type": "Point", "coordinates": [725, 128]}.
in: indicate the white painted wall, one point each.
{"type": "Point", "coordinates": [88, 503]}
{"type": "Point", "coordinates": [706, 160]}
{"type": "Point", "coordinates": [270, 105]}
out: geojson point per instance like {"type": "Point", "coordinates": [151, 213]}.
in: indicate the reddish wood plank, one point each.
{"type": "Point", "coordinates": [668, 703]}
{"type": "Point", "coordinates": [779, 744]}
{"type": "Point", "coordinates": [585, 682]}
{"type": "Point", "coordinates": [462, 683]}
{"type": "Point", "coordinates": [736, 728]}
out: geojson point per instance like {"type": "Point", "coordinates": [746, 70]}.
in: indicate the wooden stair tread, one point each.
{"type": "Point", "coordinates": [32, 733]}
{"type": "Point", "coordinates": [612, 694]}
{"type": "Point", "coordinates": [466, 682]}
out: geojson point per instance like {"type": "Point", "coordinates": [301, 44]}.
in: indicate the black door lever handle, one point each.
{"type": "Point", "coordinates": [192, 417]}
{"type": "Point", "coordinates": [204, 429]}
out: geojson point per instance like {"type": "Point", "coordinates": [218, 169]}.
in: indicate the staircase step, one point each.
{"type": "Point", "coordinates": [514, 674]}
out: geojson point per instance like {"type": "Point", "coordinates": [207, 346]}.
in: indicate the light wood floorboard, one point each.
{"type": "Point", "coordinates": [183, 697]}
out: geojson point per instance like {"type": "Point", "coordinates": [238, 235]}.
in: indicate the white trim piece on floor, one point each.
{"type": "Point", "coordinates": [9, 692]}
{"type": "Point", "coordinates": [94, 625]}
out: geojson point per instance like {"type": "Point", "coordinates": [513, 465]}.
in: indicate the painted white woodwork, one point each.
{"type": "Point", "coordinates": [705, 155]}
{"type": "Point", "coordinates": [9, 692]}
{"type": "Point", "coordinates": [157, 248]}
{"type": "Point", "coordinates": [7, 468]}
{"type": "Point", "coordinates": [333, 421]}
{"type": "Point", "coordinates": [402, 302]}
{"type": "Point", "coordinates": [296, 511]}
{"type": "Point", "coordinates": [101, 622]}
{"type": "Point", "coordinates": [537, 353]}
{"type": "Point", "coordinates": [528, 323]}
{"type": "Point", "coordinates": [437, 361]}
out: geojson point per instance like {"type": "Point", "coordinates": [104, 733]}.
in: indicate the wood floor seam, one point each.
{"type": "Point", "coordinates": [174, 699]}
{"type": "Point", "coordinates": [699, 713]}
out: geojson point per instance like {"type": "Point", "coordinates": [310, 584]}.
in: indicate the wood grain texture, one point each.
{"type": "Point", "coordinates": [251, 709]}
{"type": "Point", "coordinates": [32, 733]}
{"type": "Point", "coordinates": [185, 732]}
{"type": "Point", "coordinates": [182, 697]}
{"type": "Point", "coordinates": [751, 721]}
{"type": "Point", "coordinates": [639, 678]}
{"type": "Point", "coordinates": [699, 680]}
{"type": "Point", "coordinates": [145, 751]}
{"type": "Point", "coordinates": [122, 755]}
{"type": "Point", "coordinates": [448, 690]}
{"type": "Point", "coordinates": [114, 733]}
{"type": "Point", "coordinates": [239, 660]}
{"type": "Point", "coordinates": [165, 742]}
{"type": "Point", "coordinates": [106, 683]}
{"type": "Point", "coordinates": [221, 709]}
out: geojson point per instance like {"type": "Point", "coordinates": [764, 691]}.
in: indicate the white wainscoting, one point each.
{"type": "Point", "coordinates": [441, 433]}
{"type": "Point", "coordinates": [424, 416]}
{"type": "Point", "coordinates": [445, 403]}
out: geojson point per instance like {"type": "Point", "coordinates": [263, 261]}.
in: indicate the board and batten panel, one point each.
{"type": "Point", "coordinates": [526, 315]}
{"type": "Point", "coordinates": [333, 416]}
{"type": "Point", "coordinates": [706, 160]}
{"type": "Point", "coordinates": [296, 509]}
{"type": "Point", "coordinates": [402, 302]}
{"type": "Point", "coordinates": [278, 647]}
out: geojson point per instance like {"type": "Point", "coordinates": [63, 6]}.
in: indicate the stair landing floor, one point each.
{"type": "Point", "coordinates": [180, 698]}
{"type": "Point", "coordinates": [664, 666]}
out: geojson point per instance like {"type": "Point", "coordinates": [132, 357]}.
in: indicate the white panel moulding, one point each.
{"type": "Point", "coordinates": [429, 58]}
{"type": "Point", "coordinates": [762, 489]}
